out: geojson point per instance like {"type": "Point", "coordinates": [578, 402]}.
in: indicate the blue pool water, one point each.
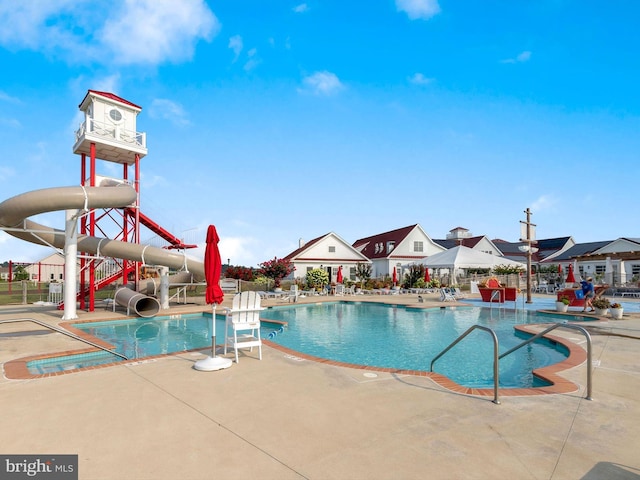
{"type": "Point", "coordinates": [359, 333]}
{"type": "Point", "coordinates": [397, 337]}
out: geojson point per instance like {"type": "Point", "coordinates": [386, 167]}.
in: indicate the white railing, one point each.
{"type": "Point", "coordinates": [112, 132]}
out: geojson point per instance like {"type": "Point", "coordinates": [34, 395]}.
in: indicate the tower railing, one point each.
{"type": "Point", "coordinates": [111, 132]}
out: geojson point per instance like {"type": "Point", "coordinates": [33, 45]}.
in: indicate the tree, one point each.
{"type": "Point", "coordinates": [276, 269]}
{"type": "Point", "coordinates": [317, 278]}
{"type": "Point", "coordinates": [416, 272]}
{"type": "Point", "coordinates": [20, 273]}
{"type": "Point", "coordinates": [363, 272]}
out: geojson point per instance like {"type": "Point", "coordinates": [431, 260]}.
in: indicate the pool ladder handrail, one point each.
{"type": "Point", "coordinates": [497, 292]}
{"type": "Point", "coordinates": [497, 358]}
{"type": "Point", "coordinates": [64, 332]}
{"type": "Point", "coordinates": [553, 327]}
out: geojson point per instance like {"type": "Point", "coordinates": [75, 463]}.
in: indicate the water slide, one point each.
{"type": "Point", "coordinates": [14, 214]}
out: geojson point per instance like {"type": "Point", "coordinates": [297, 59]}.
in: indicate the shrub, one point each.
{"type": "Point", "coordinates": [601, 303]}
{"type": "Point", "coordinates": [276, 269]}
{"type": "Point", "coordinates": [239, 273]}
{"type": "Point", "coordinates": [317, 278]}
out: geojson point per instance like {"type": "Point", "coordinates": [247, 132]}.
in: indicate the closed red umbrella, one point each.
{"type": "Point", "coordinates": [570, 277]}
{"type": "Point", "coordinates": [395, 276]}
{"type": "Point", "coordinates": [427, 278]}
{"type": "Point", "coordinates": [560, 269]}
{"type": "Point", "coordinates": [212, 268]}
{"type": "Point", "coordinates": [339, 276]}
{"type": "Point", "coordinates": [213, 295]}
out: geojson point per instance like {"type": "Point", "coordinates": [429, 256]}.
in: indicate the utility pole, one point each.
{"type": "Point", "coordinates": [527, 234]}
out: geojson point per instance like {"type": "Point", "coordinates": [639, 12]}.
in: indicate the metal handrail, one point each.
{"type": "Point", "coordinates": [496, 369]}
{"type": "Point", "coordinates": [553, 327]}
{"type": "Point", "coordinates": [64, 332]}
{"type": "Point", "coordinates": [493, 294]}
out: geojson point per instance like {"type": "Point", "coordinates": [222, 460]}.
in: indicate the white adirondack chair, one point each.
{"type": "Point", "coordinates": [243, 316]}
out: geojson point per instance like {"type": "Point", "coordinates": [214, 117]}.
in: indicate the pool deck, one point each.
{"type": "Point", "coordinates": [286, 417]}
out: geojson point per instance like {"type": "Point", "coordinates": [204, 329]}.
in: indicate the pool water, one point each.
{"type": "Point", "coordinates": [397, 337]}
{"type": "Point", "coordinates": [371, 334]}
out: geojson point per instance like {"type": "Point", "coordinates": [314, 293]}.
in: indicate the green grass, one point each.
{"type": "Point", "coordinates": [12, 293]}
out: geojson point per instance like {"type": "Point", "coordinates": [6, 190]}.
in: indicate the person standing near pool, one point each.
{"type": "Point", "coordinates": [589, 293]}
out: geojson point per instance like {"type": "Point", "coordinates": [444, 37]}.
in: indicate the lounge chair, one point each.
{"type": "Point", "coordinates": [243, 316]}
{"type": "Point", "coordinates": [457, 293]}
{"type": "Point", "coordinates": [292, 295]}
{"type": "Point", "coordinates": [445, 296]}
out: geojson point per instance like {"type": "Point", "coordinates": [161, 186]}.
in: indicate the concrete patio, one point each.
{"type": "Point", "coordinates": [287, 417]}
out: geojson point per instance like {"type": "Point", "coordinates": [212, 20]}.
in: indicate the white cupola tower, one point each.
{"type": "Point", "coordinates": [110, 125]}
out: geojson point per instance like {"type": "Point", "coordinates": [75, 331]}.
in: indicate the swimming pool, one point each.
{"type": "Point", "coordinates": [398, 337]}
{"type": "Point", "coordinates": [371, 334]}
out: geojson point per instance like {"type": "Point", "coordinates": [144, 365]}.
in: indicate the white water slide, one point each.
{"type": "Point", "coordinates": [14, 214]}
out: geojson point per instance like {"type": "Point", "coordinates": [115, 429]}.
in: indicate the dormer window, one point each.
{"type": "Point", "coordinates": [390, 246]}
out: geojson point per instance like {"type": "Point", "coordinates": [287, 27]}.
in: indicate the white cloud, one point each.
{"type": "Point", "coordinates": [235, 44]}
{"type": "Point", "coordinates": [10, 122]}
{"type": "Point", "coordinates": [110, 83]}
{"type": "Point", "coordinates": [164, 109]}
{"type": "Point", "coordinates": [158, 30]}
{"type": "Point", "coordinates": [303, 7]}
{"type": "Point", "coordinates": [520, 58]}
{"type": "Point", "coordinates": [33, 25]}
{"type": "Point", "coordinates": [253, 61]}
{"type": "Point", "coordinates": [420, 79]}
{"type": "Point", "coordinates": [6, 173]}
{"type": "Point", "coordinates": [5, 97]}
{"type": "Point", "coordinates": [544, 202]}
{"type": "Point", "coordinates": [524, 56]}
{"type": "Point", "coordinates": [147, 32]}
{"type": "Point", "coordinates": [322, 83]}
{"type": "Point", "coordinates": [418, 9]}
{"type": "Point", "coordinates": [239, 250]}
{"type": "Point", "coordinates": [150, 181]}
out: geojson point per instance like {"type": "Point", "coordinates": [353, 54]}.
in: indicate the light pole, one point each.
{"type": "Point", "coordinates": [527, 234]}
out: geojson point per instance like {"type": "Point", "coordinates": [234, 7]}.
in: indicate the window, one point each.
{"type": "Point", "coordinates": [332, 249]}
{"type": "Point", "coordinates": [600, 269]}
{"type": "Point", "coordinates": [418, 247]}
{"type": "Point", "coordinates": [635, 269]}
{"type": "Point", "coordinates": [115, 115]}
{"type": "Point", "coordinates": [390, 246]}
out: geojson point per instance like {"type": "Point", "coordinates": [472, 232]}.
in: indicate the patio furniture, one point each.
{"type": "Point", "coordinates": [445, 296]}
{"type": "Point", "coordinates": [243, 316]}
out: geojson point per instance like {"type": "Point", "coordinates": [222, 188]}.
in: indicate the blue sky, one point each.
{"type": "Point", "coordinates": [283, 120]}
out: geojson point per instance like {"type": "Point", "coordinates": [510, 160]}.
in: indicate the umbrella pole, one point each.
{"type": "Point", "coordinates": [213, 332]}
{"type": "Point", "coordinates": [213, 363]}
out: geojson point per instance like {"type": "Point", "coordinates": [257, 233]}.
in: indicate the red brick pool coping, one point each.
{"type": "Point", "coordinates": [17, 369]}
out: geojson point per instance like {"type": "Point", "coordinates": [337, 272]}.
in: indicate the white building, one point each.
{"type": "Point", "coordinates": [397, 249]}
{"type": "Point", "coordinates": [328, 252]}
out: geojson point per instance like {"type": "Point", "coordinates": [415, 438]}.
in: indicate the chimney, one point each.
{"type": "Point", "coordinates": [300, 243]}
